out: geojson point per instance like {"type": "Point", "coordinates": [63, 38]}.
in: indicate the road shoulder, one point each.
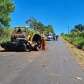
{"type": "Point", "coordinates": [76, 53]}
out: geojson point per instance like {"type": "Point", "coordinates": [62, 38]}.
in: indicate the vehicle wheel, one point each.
{"type": "Point", "coordinates": [36, 48]}
{"type": "Point", "coordinates": [29, 47]}
{"type": "Point", "coordinates": [27, 50]}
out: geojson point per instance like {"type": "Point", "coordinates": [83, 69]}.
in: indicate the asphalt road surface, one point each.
{"type": "Point", "coordinates": [53, 66]}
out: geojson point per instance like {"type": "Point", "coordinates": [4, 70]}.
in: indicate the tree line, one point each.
{"type": "Point", "coordinates": [39, 26]}
{"type": "Point", "coordinates": [76, 36]}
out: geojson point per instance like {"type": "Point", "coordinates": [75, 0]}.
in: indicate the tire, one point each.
{"type": "Point", "coordinates": [36, 48]}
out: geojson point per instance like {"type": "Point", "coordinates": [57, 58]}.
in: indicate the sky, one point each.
{"type": "Point", "coordinates": [62, 14]}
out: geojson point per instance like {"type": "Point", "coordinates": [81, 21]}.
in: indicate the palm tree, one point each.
{"type": "Point", "coordinates": [79, 27]}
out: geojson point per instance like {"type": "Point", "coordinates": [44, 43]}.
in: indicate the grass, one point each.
{"type": "Point", "coordinates": [6, 35]}
{"type": "Point", "coordinates": [4, 39]}
{"type": "Point", "coordinates": [77, 41]}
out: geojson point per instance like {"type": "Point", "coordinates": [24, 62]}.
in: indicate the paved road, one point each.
{"type": "Point", "coordinates": [53, 66]}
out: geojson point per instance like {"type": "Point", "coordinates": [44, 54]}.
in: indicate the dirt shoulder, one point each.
{"type": "Point", "coordinates": [76, 53]}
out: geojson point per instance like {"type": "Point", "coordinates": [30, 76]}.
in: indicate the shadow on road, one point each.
{"type": "Point", "coordinates": [2, 50]}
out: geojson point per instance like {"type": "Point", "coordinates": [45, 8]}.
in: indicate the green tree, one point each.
{"type": "Point", "coordinates": [79, 27]}
{"type": "Point", "coordinates": [6, 8]}
{"type": "Point", "coordinates": [39, 26]}
{"type": "Point", "coordinates": [77, 30]}
{"type": "Point", "coordinates": [32, 22]}
{"type": "Point", "coordinates": [49, 29]}
{"type": "Point", "coordinates": [35, 24]}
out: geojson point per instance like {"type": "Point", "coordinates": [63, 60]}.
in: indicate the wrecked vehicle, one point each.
{"type": "Point", "coordinates": [19, 43]}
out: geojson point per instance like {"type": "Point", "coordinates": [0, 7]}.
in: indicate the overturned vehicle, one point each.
{"type": "Point", "coordinates": [19, 43]}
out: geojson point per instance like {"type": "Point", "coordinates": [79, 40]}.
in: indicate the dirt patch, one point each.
{"type": "Point", "coordinates": [77, 53]}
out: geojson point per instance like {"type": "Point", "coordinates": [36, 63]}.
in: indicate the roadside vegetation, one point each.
{"type": "Point", "coordinates": [76, 36]}
{"type": "Point", "coordinates": [5, 35]}
{"type": "Point", "coordinates": [6, 8]}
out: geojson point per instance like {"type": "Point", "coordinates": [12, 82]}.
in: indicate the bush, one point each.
{"type": "Point", "coordinates": [80, 43]}
{"type": "Point", "coordinates": [77, 41]}
{"type": "Point", "coordinates": [6, 35]}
